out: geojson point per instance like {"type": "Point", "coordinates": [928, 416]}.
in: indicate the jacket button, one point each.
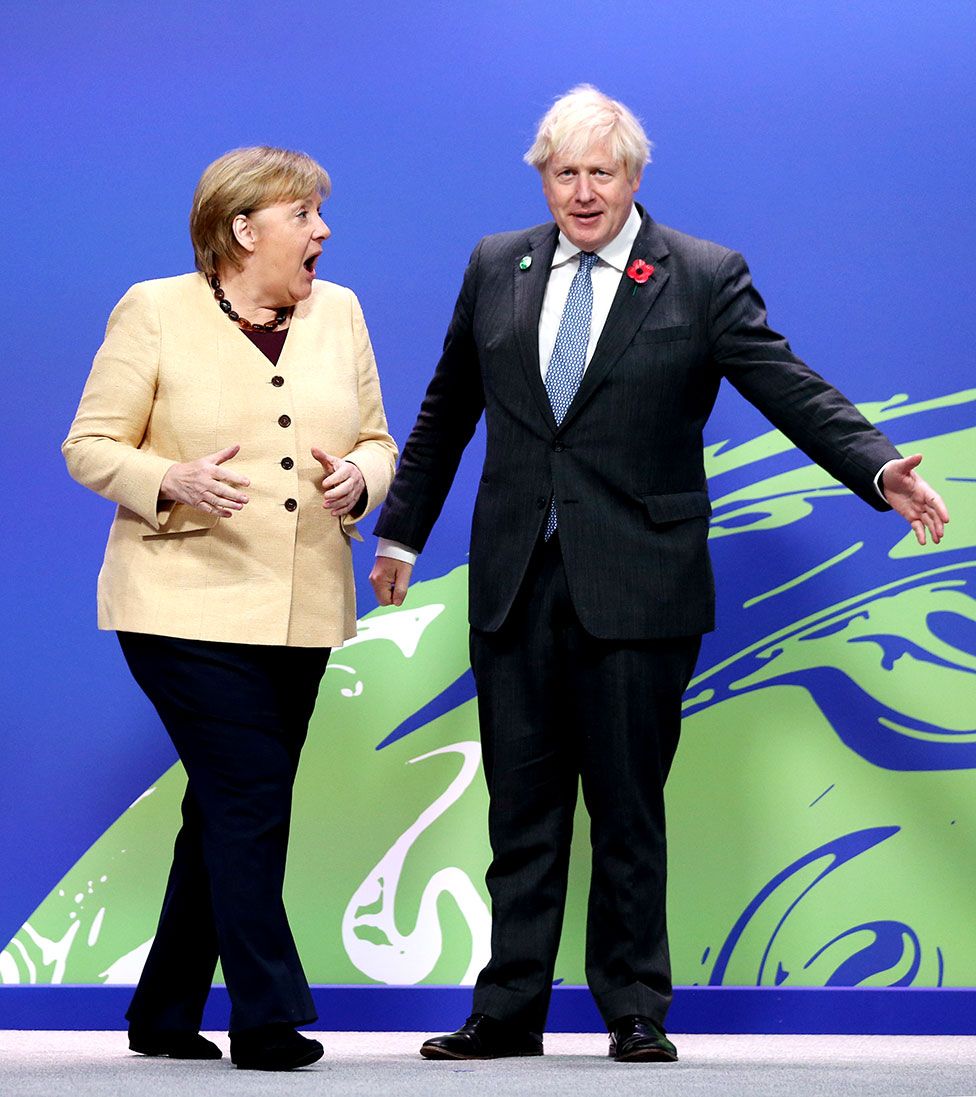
{"type": "Point", "coordinates": [540, 503]}
{"type": "Point", "coordinates": [284, 421]}
{"type": "Point", "coordinates": [558, 447]}
{"type": "Point", "coordinates": [287, 463]}
{"type": "Point", "coordinates": [291, 504]}
{"type": "Point", "coordinates": [277, 381]}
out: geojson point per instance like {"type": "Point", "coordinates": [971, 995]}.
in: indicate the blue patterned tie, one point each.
{"type": "Point", "coordinates": [569, 354]}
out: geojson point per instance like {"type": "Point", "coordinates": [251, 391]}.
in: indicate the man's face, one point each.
{"type": "Point", "coordinates": [589, 198]}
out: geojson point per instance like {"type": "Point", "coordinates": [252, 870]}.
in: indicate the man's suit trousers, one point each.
{"type": "Point", "coordinates": [558, 707]}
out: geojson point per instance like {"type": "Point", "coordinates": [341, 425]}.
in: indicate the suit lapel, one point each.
{"type": "Point", "coordinates": [631, 304]}
{"type": "Point", "coordinates": [295, 347]}
{"type": "Point", "coordinates": [530, 289]}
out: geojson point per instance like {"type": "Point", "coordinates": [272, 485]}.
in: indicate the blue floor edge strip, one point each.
{"type": "Point", "coordinates": [789, 1010]}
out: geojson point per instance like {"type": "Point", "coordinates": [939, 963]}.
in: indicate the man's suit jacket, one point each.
{"type": "Point", "coordinates": [626, 464]}
{"type": "Point", "coordinates": [175, 380]}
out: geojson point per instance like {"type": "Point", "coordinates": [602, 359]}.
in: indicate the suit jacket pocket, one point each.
{"type": "Point", "coordinates": [663, 335]}
{"type": "Point", "coordinates": [183, 519]}
{"type": "Point", "coordinates": [677, 506]}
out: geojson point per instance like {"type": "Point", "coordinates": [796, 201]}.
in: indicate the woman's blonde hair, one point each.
{"type": "Point", "coordinates": [581, 118]}
{"type": "Point", "coordinates": [241, 181]}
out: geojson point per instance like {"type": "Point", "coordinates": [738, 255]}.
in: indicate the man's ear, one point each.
{"type": "Point", "coordinates": [243, 231]}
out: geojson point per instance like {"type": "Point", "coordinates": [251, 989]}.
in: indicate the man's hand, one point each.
{"type": "Point", "coordinates": [204, 485]}
{"type": "Point", "coordinates": [914, 500]}
{"type": "Point", "coordinates": [343, 483]}
{"type": "Point", "coordinates": [390, 579]}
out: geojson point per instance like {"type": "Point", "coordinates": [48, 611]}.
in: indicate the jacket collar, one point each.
{"type": "Point", "coordinates": [233, 344]}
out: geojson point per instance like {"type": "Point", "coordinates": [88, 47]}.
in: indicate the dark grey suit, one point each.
{"type": "Point", "coordinates": [581, 653]}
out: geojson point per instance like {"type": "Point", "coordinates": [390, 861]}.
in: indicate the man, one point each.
{"type": "Point", "coordinates": [595, 346]}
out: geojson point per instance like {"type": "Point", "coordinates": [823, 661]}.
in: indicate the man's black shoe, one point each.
{"type": "Point", "coordinates": [482, 1037]}
{"type": "Point", "coordinates": [638, 1039]}
{"type": "Point", "coordinates": [273, 1047]}
{"type": "Point", "coordinates": [177, 1045]}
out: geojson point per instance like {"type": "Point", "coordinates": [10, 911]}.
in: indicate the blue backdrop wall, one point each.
{"type": "Point", "coordinates": [833, 143]}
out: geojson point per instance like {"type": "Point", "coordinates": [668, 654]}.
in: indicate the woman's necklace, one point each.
{"type": "Point", "coordinates": [281, 315]}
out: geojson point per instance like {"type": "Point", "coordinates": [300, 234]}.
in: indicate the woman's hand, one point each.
{"type": "Point", "coordinates": [343, 484]}
{"type": "Point", "coordinates": [205, 486]}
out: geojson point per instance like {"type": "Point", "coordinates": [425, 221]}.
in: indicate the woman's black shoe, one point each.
{"type": "Point", "coordinates": [273, 1047]}
{"type": "Point", "coordinates": [177, 1045]}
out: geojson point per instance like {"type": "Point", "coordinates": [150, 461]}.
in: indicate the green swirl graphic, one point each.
{"type": "Point", "coordinates": [845, 709]}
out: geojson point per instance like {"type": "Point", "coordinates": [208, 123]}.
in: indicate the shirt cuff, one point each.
{"type": "Point", "coordinates": [395, 551]}
{"type": "Point", "coordinates": [879, 482]}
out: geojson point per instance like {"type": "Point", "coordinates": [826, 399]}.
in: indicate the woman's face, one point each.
{"type": "Point", "coordinates": [284, 242]}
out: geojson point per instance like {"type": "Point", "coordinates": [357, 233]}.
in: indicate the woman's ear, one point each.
{"type": "Point", "coordinates": [243, 231]}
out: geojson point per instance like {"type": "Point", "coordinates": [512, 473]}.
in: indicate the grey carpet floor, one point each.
{"type": "Point", "coordinates": [359, 1064]}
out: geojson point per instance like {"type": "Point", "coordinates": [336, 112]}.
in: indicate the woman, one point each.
{"type": "Point", "coordinates": [235, 416]}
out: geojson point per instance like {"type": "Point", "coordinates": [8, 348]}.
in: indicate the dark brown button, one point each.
{"type": "Point", "coordinates": [284, 420]}
{"type": "Point", "coordinates": [277, 381]}
{"type": "Point", "coordinates": [287, 463]}
{"type": "Point", "coordinates": [291, 504]}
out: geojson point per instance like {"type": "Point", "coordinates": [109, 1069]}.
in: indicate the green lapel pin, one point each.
{"type": "Point", "coordinates": [525, 262]}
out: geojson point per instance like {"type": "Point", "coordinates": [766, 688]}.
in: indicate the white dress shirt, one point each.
{"type": "Point", "coordinates": [606, 278]}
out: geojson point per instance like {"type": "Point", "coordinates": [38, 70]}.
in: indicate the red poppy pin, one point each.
{"type": "Point", "coordinates": [640, 270]}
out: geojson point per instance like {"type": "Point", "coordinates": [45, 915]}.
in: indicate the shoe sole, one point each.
{"type": "Point", "coordinates": [440, 1053]}
{"type": "Point", "coordinates": [646, 1056]}
{"type": "Point", "coordinates": [170, 1055]}
{"type": "Point", "coordinates": [156, 1053]}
